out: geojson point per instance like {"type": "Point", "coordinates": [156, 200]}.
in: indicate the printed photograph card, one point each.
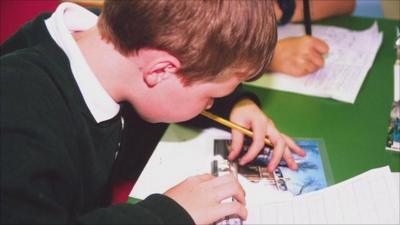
{"type": "Point", "coordinates": [313, 173]}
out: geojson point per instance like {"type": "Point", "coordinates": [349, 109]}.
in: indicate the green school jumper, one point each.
{"type": "Point", "coordinates": [57, 162]}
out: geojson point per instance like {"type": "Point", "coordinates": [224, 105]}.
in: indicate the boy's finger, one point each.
{"type": "Point", "coordinates": [237, 144]}
{"type": "Point", "coordinates": [277, 153]}
{"type": "Point", "coordinates": [205, 177]}
{"type": "Point", "coordinates": [222, 180]}
{"type": "Point", "coordinates": [229, 190]}
{"type": "Point", "coordinates": [257, 144]}
{"type": "Point", "coordinates": [293, 146]}
{"type": "Point", "coordinates": [289, 159]}
{"type": "Point", "coordinates": [229, 208]}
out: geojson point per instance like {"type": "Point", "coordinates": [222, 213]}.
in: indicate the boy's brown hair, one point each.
{"type": "Point", "coordinates": [209, 38]}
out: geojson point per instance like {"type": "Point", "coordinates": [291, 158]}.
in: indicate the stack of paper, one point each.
{"type": "Point", "coordinates": [371, 198]}
{"type": "Point", "coordinates": [351, 55]}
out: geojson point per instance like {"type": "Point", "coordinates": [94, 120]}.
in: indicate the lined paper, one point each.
{"type": "Point", "coordinates": [370, 198]}
{"type": "Point", "coordinates": [350, 57]}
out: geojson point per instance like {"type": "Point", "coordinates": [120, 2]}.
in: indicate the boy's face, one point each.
{"type": "Point", "coordinates": [159, 95]}
{"type": "Point", "coordinates": [172, 101]}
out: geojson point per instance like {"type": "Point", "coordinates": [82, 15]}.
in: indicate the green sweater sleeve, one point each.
{"type": "Point", "coordinates": [155, 209]}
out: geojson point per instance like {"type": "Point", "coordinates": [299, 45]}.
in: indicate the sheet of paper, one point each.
{"type": "Point", "coordinates": [175, 153]}
{"type": "Point", "coordinates": [370, 198]}
{"type": "Point", "coordinates": [351, 55]}
{"type": "Point", "coordinates": [396, 180]}
{"type": "Point", "coordinates": [183, 152]}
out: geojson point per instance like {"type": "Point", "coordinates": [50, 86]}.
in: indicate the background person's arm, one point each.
{"type": "Point", "coordinates": [319, 9]}
{"type": "Point", "coordinates": [298, 56]}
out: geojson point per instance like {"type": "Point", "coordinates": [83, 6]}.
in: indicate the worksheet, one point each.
{"type": "Point", "coordinates": [369, 198]}
{"type": "Point", "coordinates": [351, 55]}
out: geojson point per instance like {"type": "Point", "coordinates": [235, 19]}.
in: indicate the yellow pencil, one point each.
{"type": "Point", "coordinates": [232, 125]}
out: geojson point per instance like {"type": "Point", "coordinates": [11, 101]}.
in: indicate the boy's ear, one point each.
{"type": "Point", "coordinates": [158, 72]}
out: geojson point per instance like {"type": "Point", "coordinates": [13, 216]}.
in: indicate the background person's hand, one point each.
{"type": "Point", "coordinates": [201, 197]}
{"type": "Point", "coordinates": [247, 114]}
{"type": "Point", "coordinates": [299, 56]}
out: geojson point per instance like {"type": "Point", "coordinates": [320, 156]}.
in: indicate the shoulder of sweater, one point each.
{"type": "Point", "coordinates": [29, 66]}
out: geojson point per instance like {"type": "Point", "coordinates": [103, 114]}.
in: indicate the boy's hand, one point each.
{"type": "Point", "coordinates": [201, 197]}
{"type": "Point", "coordinates": [299, 56]}
{"type": "Point", "coordinates": [247, 114]}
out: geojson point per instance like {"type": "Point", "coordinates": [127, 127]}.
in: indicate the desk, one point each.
{"type": "Point", "coordinates": [354, 134]}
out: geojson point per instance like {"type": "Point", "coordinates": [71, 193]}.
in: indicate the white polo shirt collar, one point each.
{"type": "Point", "coordinates": [68, 18]}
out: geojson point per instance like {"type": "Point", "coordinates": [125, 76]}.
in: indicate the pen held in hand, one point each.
{"type": "Point", "coordinates": [235, 126]}
{"type": "Point", "coordinates": [307, 16]}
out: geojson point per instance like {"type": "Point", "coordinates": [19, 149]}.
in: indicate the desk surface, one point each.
{"type": "Point", "coordinates": [354, 134]}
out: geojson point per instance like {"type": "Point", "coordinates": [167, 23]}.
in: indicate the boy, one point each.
{"type": "Point", "coordinates": [84, 101]}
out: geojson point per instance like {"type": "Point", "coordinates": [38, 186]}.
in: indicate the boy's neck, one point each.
{"type": "Point", "coordinates": [109, 66]}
